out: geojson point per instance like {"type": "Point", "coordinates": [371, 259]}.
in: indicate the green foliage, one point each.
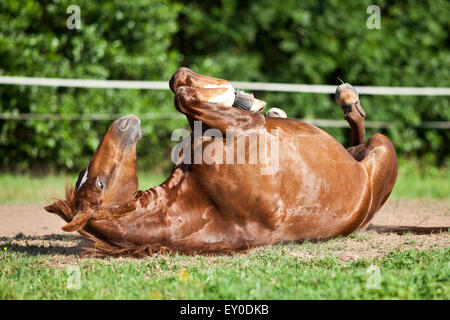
{"type": "Point", "coordinates": [278, 41]}
{"type": "Point", "coordinates": [317, 41]}
{"type": "Point", "coordinates": [264, 273]}
{"type": "Point", "coordinates": [126, 40]}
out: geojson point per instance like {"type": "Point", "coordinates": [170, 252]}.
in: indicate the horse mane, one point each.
{"type": "Point", "coordinates": [101, 247]}
{"type": "Point", "coordinates": [64, 208]}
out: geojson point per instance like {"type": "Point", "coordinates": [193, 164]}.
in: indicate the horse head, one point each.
{"type": "Point", "coordinates": [109, 182]}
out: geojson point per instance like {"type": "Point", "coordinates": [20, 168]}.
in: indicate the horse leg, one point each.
{"type": "Point", "coordinates": [229, 97]}
{"type": "Point", "coordinates": [347, 98]}
{"type": "Point", "coordinates": [186, 77]}
{"type": "Point", "coordinates": [377, 155]}
{"type": "Point", "coordinates": [211, 107]}
{"type": "Point", "coordinates": [380, 162]}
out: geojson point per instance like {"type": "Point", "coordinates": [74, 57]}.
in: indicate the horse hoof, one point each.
{"type": "Point", "coordinates": [276, 113]}
{"type": "Point", "coordinates": [347, 97]}
{"type": "Point", "coordinates": [343, 87]}
{"type": "Point", "coordinates": [247, 101]}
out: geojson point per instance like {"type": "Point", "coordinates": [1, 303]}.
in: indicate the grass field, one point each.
{"type": "Point", "coordinates": [413, 182]}
{"type": "Point", "coordinates": [264, 273]}
{"type": "Point", "coordinates": [410, 266]}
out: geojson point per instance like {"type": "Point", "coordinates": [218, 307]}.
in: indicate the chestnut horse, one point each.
{"type": "Point", "coordinates": [319, 190]}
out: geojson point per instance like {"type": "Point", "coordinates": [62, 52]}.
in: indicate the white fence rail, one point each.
{"type": "Point", "coordinates": [327, 123]}
{"type": "Point", "coordinates": [254, 86]}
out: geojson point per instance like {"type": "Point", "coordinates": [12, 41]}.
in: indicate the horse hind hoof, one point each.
{"type": "Point", "coordinates": [341, 88]}
{"type": "Point", "coordinates": [276, 113]}
{"type": "Point", "coordinates": [247, 101]}
{"type": "Point", "coordinates": [347, 97]}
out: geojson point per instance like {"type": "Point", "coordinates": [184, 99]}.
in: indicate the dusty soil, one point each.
{"type": "Point", "coordinates": [29, 228]}
{"type": "Point", "coordinates": [30, 220]}
{"type": "Point", "coordinates": [423, 213]}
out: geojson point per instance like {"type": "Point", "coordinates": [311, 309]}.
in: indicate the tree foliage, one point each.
{"type": "Point", "coordinates": [261, 40]}
{"type": "Point", "coordinates": [316, 42]}
{"type": "Point", "coordinates": [117, 40]}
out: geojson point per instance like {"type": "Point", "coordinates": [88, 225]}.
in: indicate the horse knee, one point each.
{"type": "Point", "coordinates": [179, 77]}
{"type": "Point", "coordinates": [183, 97]}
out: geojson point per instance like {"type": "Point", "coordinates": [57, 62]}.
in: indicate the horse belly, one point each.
{"type": "Point", "coordinates": [317, 190]}
{"type": "Point", "coordinates": [325, 191]}
{"type": "Point", "coordinates": [241, 190]}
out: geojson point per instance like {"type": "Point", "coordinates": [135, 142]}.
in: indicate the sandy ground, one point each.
{"type": "Point", "coordinates": [30, 220]}
{"type": "Point", "coordinates": [30, 228]}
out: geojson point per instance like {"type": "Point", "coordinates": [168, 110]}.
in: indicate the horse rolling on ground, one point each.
{"type": "Point", "coordinates": [319, 189]}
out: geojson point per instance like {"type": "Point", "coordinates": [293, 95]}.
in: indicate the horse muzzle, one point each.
{"type": "Point", "coordinates": [129, 129]}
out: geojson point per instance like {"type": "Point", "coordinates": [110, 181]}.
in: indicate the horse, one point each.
{"type": "Point", "coordinates": [317, 190]}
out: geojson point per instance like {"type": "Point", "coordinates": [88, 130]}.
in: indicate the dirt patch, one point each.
{"type": "Point", "coordinates": [369, 245]}
{"type": "Point", "coordinates": [29, 228]}
{"type": "Point", "coordinates": [30, 220]}
{"type": "Point", "coordinates": [418, 213]}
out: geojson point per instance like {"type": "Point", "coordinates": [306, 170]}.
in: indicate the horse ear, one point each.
{"type": "Point", "coordinates": [53, 208]}
{"type": "Point", "coordinates": [61, 209]}
{"type": "Point", "coordinates": [79, 221]}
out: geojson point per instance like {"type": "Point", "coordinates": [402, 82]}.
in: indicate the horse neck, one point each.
{"type": "Point", "coordinates": [159, 212]}
{"type": "Point", "coordinates": [160, 198]}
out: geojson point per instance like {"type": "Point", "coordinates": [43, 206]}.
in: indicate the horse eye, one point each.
{"type": "Point", "coordinates": [100, 184]}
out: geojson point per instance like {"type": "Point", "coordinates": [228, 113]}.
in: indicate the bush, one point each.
{"type": "Point", "coordinates": [317, 41]}
{"type": "Point", "coordinates": [278, 41]}
{"type": "Point", "coordinates": [117, 40]}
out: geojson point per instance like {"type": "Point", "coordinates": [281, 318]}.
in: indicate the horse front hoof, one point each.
{"type": "Point", "coordinates": [247, 101]}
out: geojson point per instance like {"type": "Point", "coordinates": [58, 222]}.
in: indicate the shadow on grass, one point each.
{"type": "Point", "coordinates": [44, 245]}
{"type": "Point", "coordinates": [407, 229]}
{"type": "Point", "coordinates": [59, 244]}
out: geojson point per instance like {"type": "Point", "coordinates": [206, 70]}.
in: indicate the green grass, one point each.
{"type": "Point", "coordinates": [25, 189]}
{"type": "Point", "coordinates": [270, 273]}
{"type": "Point", "coordinates": [413, 182]}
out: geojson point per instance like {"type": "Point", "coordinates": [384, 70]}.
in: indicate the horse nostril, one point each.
{"type": "Point", "coordinates": [124, 125]}
{"type": "Point", "coordinates": [138, 136]}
